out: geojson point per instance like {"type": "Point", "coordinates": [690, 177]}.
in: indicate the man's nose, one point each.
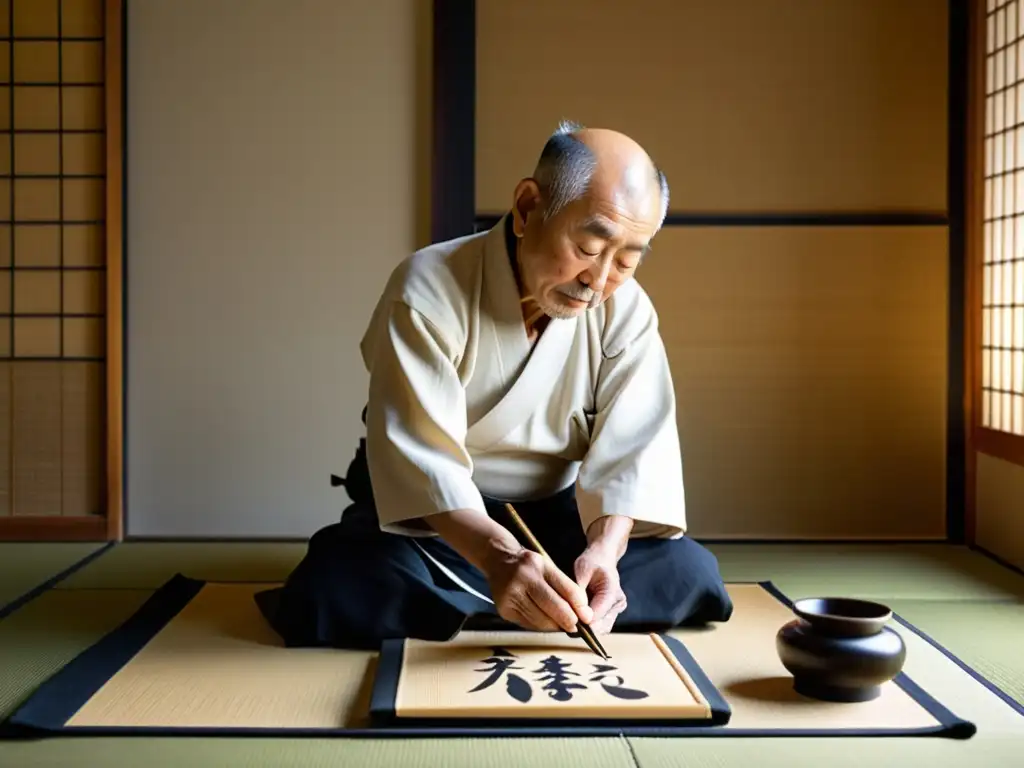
{"type": "Point", "coordinates": [597, 276]}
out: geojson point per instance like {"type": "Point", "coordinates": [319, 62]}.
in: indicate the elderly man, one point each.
{"type": "Point", "coordinates": [521, 365]}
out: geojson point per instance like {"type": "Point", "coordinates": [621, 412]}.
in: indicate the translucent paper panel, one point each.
{"type": "Point", "coordinates": [52, 179]}
{"type": "Point", "coordinates": [1003, 269]}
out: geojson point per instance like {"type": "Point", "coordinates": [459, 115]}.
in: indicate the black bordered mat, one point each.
{"type": "Point", "coordinates": [224, 615]}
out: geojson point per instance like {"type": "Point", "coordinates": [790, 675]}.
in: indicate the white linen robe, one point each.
{"type": "Point", "coordinates": [460, 406]}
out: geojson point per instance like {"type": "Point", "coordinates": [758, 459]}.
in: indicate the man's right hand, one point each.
{"type": "Point", "coordinates": [530, 591]}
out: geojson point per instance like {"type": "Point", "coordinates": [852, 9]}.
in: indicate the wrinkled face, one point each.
{"type": "Point", "coordinates": [577, 259]}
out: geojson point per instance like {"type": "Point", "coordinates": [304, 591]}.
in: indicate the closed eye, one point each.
{"type": "Point", "coordinates": [588, 253]}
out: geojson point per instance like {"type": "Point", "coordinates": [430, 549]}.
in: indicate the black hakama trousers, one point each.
{"type": "Point", "coordinates": [358, 585]}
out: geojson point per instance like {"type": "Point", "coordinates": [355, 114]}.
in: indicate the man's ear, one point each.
{"type": "Point", "coordinates": [526, 201]}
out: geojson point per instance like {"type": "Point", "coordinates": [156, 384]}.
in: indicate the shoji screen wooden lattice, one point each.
{"type": "Point", "coordinates": [60, 269]}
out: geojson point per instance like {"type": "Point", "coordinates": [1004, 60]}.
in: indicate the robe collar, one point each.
{"type": "Point", "coordinates": [540, 365]}
{"type": "Point", "coordinates": [501, 285]}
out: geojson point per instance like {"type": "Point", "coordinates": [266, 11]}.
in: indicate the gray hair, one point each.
{"type": "Point", "coordinates": [565, 166]}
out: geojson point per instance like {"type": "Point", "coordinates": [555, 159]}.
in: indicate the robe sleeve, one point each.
{"type": "Point", "coordinates": [633, 466]}
{"type": "Point", "coordinates": [416, 425]}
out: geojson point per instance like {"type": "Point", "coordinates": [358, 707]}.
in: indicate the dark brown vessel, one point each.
{"type": "Point", "coordinates": [839, 649]}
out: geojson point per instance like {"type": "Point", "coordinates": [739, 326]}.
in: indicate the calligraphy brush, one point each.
{"type": "Point", "coordinates": [585, 631]}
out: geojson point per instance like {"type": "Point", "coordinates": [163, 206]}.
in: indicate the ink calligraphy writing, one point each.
{"type": "Point", "coordinates": [556, 674]}
{"type": "Point", "coordinates": [501, 661]}
{"type": "Point", "coordinates": [559, 680]}
{"type": "Point", "coordinates": [603, 671]}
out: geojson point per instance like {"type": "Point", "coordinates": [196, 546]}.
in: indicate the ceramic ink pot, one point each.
{"type": "Point", "coordinates": [839, 649]}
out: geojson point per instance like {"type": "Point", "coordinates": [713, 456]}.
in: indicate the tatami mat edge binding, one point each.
{"type": "Point", "coordinates": [50, 708]}
{"type": "Point", "coordinates": [32, 594]}
{"type": "Point", "coordinates": [994, 689]}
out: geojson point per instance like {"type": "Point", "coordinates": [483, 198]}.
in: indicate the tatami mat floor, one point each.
{"type": "Point", "coordinates": [973, 606]}
{"type": "Point", "coordinates": [26, 567]}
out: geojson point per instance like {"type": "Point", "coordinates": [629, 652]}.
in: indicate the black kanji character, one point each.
{"type": "Point", "coordinates": [501, 661]}
{"type": "Point", "coordinates": [617, 689]}
{"type": "Point", "coordinates": [556, 673]}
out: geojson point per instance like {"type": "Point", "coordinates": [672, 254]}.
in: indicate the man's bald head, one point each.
{"type": "Point", "coordinates": [585, 219]}
{"type": "Point", "coordinates": [577, 160]}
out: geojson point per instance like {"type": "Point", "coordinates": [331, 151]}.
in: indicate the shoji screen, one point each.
{"type": "Point", "coordinates": [1002, 380]}
{"type": "Point", "coordinates": [54, 267]}
{"type": "Point", "coordinates": [997, 272]}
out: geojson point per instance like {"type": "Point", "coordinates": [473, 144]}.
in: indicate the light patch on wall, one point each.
{"type": "Point", "coordinates": [272, 181]}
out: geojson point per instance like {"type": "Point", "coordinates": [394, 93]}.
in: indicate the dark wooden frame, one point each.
{"type": "Point", "coordinates": [454, 212]}
{"type": "Point", "coordinates": [116, 34]}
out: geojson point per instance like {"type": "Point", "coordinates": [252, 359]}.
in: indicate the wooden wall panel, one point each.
{"type": "Point", "coordinates": [1000, 508]}
{"type": "Point", "coordinates": [810, 366]}
{"type": "Point", "coordinates": [747, 104]}
{"type": "Point", "coordinates": [811, 363]}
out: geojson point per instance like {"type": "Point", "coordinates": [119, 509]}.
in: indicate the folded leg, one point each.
{"type": "Point", "coordinates": [357, 586]}
{"type": "Point", "coordinates": [671, 582]}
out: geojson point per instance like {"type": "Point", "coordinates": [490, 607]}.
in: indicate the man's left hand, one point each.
{"type": "Point", "coordinates": [597, 572]}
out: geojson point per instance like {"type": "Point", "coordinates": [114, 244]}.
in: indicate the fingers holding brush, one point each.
{"type": "Point", "coordinates": [528, 593]}
{"type": "Point", "coordinates": [597, 573]}
{"type": "Point", "coordinates": [570, 592]}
